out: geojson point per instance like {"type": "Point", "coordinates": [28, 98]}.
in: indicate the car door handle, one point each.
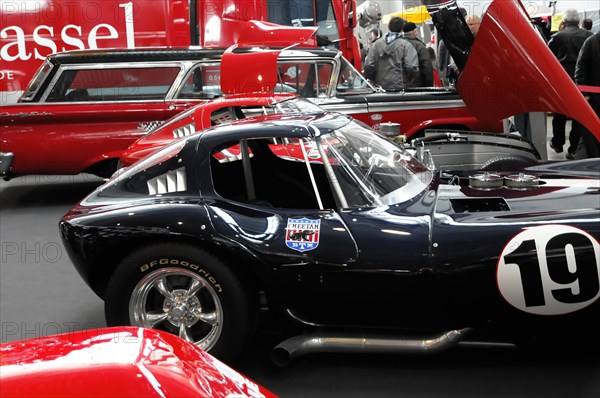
{"type": "Point", "coordinates": [178, 106]}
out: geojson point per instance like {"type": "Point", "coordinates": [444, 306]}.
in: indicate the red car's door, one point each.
{"type": "Point", "coordinates": [70, 138]}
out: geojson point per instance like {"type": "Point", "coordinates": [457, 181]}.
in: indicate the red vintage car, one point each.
{"type": "Point", "coordinates": [118, 362]}
{"type": "Point", "coordinates": [84, 108]}
{"type": "Point", "coordinates": [218, 111]}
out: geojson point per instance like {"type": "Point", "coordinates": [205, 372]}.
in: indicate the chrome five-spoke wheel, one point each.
{"type": "Point", "coordinates": [179, 301]}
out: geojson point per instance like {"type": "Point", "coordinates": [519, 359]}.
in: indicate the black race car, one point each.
{"type": "Point", "coordinates": [326, 223]}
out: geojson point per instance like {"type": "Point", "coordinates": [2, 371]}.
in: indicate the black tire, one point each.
{"type": "Point", "coordinates": [507, 163]}
{"type": "Point", "coordinates": [202, 300]}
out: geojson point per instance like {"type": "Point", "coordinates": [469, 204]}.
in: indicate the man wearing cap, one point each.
{"type": "Point", "coordinates": [392, 62]}
{"type": "Point", "coordinates": [425, 64]}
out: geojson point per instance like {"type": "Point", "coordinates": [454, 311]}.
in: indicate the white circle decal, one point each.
{"type": "Point", "coordinates": [550, 270]}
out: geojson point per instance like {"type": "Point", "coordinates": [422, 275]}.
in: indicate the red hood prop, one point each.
{"type": "Point", "coordinates": [256, 71]}
{"type": "Point", "coordinates": [511, 70]}
{"type": "Point", "coordinates": [252, 72]}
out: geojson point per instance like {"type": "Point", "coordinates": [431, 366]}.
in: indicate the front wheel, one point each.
{"type": "Point", "coordinates": [186, 291]}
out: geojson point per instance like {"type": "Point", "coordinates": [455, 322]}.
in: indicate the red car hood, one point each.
{"type": "Point", "coordinates": [251, 72]}
{"type": "Point", "coordinates": [508, 69]}
{"type": "Point", "coordinates": [256, 72]}
{"type": "Point", "coordinates": [111, 362]}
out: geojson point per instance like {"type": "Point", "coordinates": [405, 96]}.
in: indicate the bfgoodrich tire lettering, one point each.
{"type": "Point", "coordinates": [183, 290]}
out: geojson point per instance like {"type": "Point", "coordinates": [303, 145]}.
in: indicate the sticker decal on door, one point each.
{"type": "Point", "coordinates": [302, 234]}
{"type": "Point", "coordinates": [550, 270]}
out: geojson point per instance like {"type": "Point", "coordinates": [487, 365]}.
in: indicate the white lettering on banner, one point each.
{"type": "Point", "coordinates": [44, 36]}
{"type": "Point", "coordinates": [7, 75]}
{"type": "Point", "coordinates": [43, 41]}
{"type": "Point", "coordinates": [92, 43]}
{"type": "Point", "coordinates": [129, 31]}
{"type": "Point", "coordinates": [70, 40]}
{"type": "Point", "coordinates": [19, 44]}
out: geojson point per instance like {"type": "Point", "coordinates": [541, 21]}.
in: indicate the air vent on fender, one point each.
{"type": "Point", "coordinates": [184, 131]}
{"type": "Point", "coordinates": [173, 181]}
{"type": "Point", "coordinates": [476, 205]}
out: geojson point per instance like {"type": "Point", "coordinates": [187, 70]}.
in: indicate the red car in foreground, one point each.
{"type": "Point", "coordinates": [117, 362]}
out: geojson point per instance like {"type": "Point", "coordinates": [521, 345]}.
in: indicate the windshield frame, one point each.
{"type": "Point", "coordinates": [367, 170]}
{"type": "Point", "coordinates": [35, 85]}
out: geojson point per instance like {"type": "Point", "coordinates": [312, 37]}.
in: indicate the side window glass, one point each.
{"type": "Point", "coordinates": [279, 175]}
{"type": "Point", "coordinates": [350, 81]}
{"type": "Point", "coordinates": [323, 76]}
{"type": "Point", "coordinates": [36, 82]}
{"type": "Point", "coordinates": [302, 78]}
{"type": "Point", "coordinates": [202, 82]}
{"type": "Point", "coordinates": [113, 84]}
{"type": "Point", "coordinates": [290, 78]}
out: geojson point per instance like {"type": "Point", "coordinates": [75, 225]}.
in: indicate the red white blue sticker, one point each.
{"type": "Point", "coordinates": [550, 270]}
{"type": "Point", "coordinates": [302, 234]}
{"type": "Point", "coordinates": [313, 153]}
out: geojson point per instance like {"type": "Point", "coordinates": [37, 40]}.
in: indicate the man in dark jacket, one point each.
{"type": "Point", "coordinates": [425, 65]}
{"type": "Point", "coordinates": [392, 62]}
{"type": "Point", "coordinates": [565, 45]}
{"type": "Point", "coordinates": [587, 73]}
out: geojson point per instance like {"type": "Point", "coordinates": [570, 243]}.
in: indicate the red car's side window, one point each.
{"type": "Point", "coordinates": [113, 84]}
{"type": "Point", "coordinates": [202, 82]}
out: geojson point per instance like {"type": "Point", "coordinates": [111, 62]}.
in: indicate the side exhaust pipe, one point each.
{"type": "Point", "coordinates": [286, 351]}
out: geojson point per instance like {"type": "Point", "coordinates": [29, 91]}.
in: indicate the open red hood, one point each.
{"type": "Point", "coordinates": [249, 72]}
{"type": "Point", "coordinates": [508, 69]}
{"type": "Point", "coordinates": [256, 71]}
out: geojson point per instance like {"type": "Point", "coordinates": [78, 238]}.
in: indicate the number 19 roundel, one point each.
{"type": "Point", "coordinates": [550, 270]}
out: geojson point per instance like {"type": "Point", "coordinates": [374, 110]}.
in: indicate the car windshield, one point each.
{"type": "Point", "coordinates": [311, 77]}
{"type": "Point", "coordinates": [351, 81]}
{"type": "Point", "coordinates": [365, 169]}
{"type": "Point", "coordinates": [297, 105]}
{"type": "Point", "coordinates": [37, 80]}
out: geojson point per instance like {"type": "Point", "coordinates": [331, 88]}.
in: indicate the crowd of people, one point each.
{"type": "Point", "coordinates": [578, 51]}
{"type": "Point", "coordinates": [400, 60]}
{"type": "Point", "coordinates": [389, 62]}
